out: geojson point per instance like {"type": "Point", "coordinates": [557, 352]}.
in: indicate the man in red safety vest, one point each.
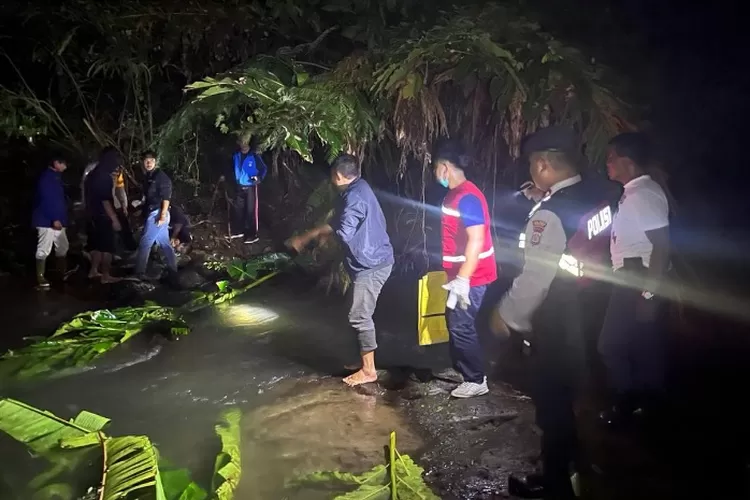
{"type": "Point", "coordinates": [468, 260]}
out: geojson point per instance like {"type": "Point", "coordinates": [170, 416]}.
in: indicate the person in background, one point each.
{"type": "Point", "coordinates": [248, 172]}
{"type": "Point", "coordinates": [359, 224]}
{"type": "Point", "coordinates": [180, 236]}
{"type": "Point", "coordinates": [103, 221]}
{"type": "Point", "coordinates": [468, 260]}
{"type": "Point", "coordinates": [157, 190]}
{"type": "Point", "coordinates": [632, 343]}
{"type": "Point", "coordinates": [120, 203]}
{"type": "Point", "coordinates": [120, 196]}
{"type": "Point", "coordinates": [562, 235]}
{"type": "Point", "coordinates": [50, 217]}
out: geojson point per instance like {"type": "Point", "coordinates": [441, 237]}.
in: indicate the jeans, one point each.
{"type": "Point", "coordinates": [155, 234]}
{"type": "Point", "coordinates": [364, 297]}
{"type": "Point", "coordinates": [466, 353]}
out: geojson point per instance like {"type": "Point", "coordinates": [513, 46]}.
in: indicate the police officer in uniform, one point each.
{"type": "Point", "coordinates": [632, 342]}
{"type": "Point", "coordinates": [564, 231]}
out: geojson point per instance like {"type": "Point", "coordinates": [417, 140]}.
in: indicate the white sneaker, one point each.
{"type": "Point", "coordinates": [470, 389]}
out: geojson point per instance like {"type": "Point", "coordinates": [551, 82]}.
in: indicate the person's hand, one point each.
{"type": "Point", "coordinates": [222, 178]}
{"type": "Point", "coordinates": [116, 225]}
{"type": "Point", "coordinates": [254, 179]}
{"type": "Point", "coordinates": [125, 210]}
{"type": "Point", "coordinates": [161, 220]}
{"type": "Point", "coordinates": [57, 225]}
{"type": "Point", "coordinates": [645, 310]}
{"type": "Point", "coordinates": [175, 242]}
{"type": "Point", "coordinates": [531, 192]}
{"type": "Point", "coordinates": [460, 287]}
{"type": "Point", "coordinates": [297, 243]}
{"type": "Point", "coordinates": [497, 324]}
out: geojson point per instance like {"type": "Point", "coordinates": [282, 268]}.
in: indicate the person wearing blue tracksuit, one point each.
{"type": "Point", "coordinates": [249, 171]}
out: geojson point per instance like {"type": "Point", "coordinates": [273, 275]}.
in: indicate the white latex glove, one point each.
{"type": "Point", "coordinates": [458, 292]}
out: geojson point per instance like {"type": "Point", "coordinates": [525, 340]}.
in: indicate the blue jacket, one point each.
{"type": "Point", "coordinates": [359, 224]}
{"type": "Point", "coordinates": [251, 166]}
{"type": "Point", "coordinates": [49, 200]}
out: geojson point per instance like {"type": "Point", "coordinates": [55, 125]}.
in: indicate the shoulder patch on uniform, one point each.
{"type": "Point", "coordinates": [538, 225]}
{"type": "Point", "coordinates": [536, 238]}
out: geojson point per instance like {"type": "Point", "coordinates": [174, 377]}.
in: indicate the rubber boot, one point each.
{"type": "Point", "coordinates": [40, 268]}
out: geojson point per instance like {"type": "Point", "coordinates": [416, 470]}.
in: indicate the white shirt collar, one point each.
{"type": "Point", "coordinates": [563, 184]}
{"type": "Point", "coordinates": [637, 180]}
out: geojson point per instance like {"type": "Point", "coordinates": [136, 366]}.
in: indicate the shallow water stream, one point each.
{"type": "Point", "coordinates": [268, 353]}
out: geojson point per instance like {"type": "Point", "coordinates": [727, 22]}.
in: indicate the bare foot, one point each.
{"type": "Point", "coordinates": [360, 378]}
{"type": "Point", "coordinates": [94, 276]}
{"type": "Point", "coordinates": [110, 279]}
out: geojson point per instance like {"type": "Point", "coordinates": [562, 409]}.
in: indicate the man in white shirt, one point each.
{"type": "Point", "coordinates": [631, 342]}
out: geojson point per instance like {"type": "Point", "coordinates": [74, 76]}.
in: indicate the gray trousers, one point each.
{"type": "Point", "coordinates": [364, 294]}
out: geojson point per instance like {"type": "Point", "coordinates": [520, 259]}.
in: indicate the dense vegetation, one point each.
{"type": "Point", "coordinates": [306, 80]}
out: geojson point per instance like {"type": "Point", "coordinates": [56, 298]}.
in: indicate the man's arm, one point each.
{"type": "Point", "coordinates": [545, 244]}
{"type": "Point", "coordinates": [659, 262]}
{"type": "Point", "coordinates": [351, 217]}
{"type": "Point", "coordinates": [165, 193]}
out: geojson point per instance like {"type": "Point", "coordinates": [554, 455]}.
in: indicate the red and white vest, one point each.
{"type": "Point", "coordinates": [455, 238]}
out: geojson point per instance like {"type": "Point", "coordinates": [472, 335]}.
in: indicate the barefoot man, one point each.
{"type": "Point", "coordinates": [359, 224]}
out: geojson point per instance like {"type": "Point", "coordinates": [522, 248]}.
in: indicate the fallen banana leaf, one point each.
{"type": "Point", "coordinates": [86, 337]}
{"type": "Point", "coordinates": [131, 468]}
{"type": "Point", "coordinates": [400, 479]}
{"type": "Point", "coordinates": [42, 431]}
{"type": "Point", "coordinates": [228, 466]}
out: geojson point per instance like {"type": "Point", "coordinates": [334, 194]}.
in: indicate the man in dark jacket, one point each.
{"type": "Point", "coordinates": [157, 190]}
{"type": "Point", "coordinates": [359, 224]}
{"type": "Point", "coordinates": [50, 217]}
{"type": "Point", "coordinates": [249, 171]}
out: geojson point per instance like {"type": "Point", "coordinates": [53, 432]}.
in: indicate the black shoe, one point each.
{"type": "Point", "coordinates": [529, 486]}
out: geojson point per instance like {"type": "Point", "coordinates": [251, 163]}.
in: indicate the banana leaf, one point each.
{"type": "Point", "coordinates": [375, 484]}
{"type": "Point", "coordinates": [86, 337]}
{"type": "Point", "coordinates": [131, 468]}
{"type": "Point", "coordinates": [228, 466]}
{"type": "Point", "coordinates": [42, 431]}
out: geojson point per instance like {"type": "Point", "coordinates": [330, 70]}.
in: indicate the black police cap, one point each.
{"type": "Point", "coordinates": [554, 138]}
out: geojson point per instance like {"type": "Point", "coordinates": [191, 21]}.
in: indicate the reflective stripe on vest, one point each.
{"type": "Point", "coordinates": [462, 258]}
{"type": "Point", "coordinates": [567, 262]}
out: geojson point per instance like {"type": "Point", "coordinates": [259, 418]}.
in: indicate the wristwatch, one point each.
{"type": "Point", "coordinates": [647, 295]}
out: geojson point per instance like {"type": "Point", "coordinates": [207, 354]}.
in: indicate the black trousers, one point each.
{"type": "Point", "coordinates": [557, 360]}
{"type": "Point", "coordinates": [245, 215]}
{"type": "Point", "coordinates": [125, 236]}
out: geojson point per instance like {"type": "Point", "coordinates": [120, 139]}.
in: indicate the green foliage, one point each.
{"type": "Point", "coordinates": [295, 115]}
{"type": "Point", "coordinates": [228, 465]}
{"type": "Point", "coordinates": [375, 484]}
{"type": "Point", "coordinates": [132, 467]}
{"type": "Point", "coordinates": [42, 431]}
{"type": "Point", "coordinates": [87, 336]}
{"type": "Point", "coordinates": [490, 73]}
